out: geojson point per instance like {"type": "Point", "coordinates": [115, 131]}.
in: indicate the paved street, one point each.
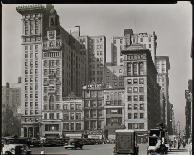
{"type": "Point", "coordinates": [104, 149]}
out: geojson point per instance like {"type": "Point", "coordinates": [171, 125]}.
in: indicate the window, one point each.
{"type": "Point", "coordinates": [150, 46]}
{"type": "Point", "coordinates": [72, 126]}
{"type": "Point", "coordinates": [57, 115]}
{"type": "Point", "coordinates": [129, 115]}
{"type": "Point", "coordinates": [66, 126]}
{"type": "Point", "coordinates": [129, 107]}
{"type": "Point", "coordinates": [51, 116]}
{"type": "Point", "coordinates": [115, 83]}
{"type": "Point", "coordinates": [72, 116]}
{"type": "Point", "coordinates": [141, 68]}
{"type": "Point", "coordinates": [135, 107]}
{"type": "Point", "coordinates": [26, 104]}
{"type": "Point", "coordinates": [120, 70]}
{"type": "Point", "coordinates": [78, 116]}
{"type": "Point", "coordinates": [135, 71]}
{"type": "Point", "coordinates": [78, 126]}
{"type": "Point", "coordinates": [141, 39]}
{"type": "Point", "coordinates": [71, 106]}
{"type": "Point", "coordinates": [135, 89]}
{"type": "Point", "coordinates": [129, 81]}
{"type": "Point", "coordinates": [141, 97]}
{"type": "Point", "coordinates": [26, 112]}
{"type": "Point", "coordinates": [141, 115]}
{"type": "Point", "coordinates": [57, 106]}
{"type": "Point", "coordinates": [36, 111]}
{"type": "Point", "coordinates": [66, 116]}
{"type": "Point", "coordinates": [141, 125]}
{"type": "Point", "coordinates": [141, 81]}
{"type": "Point", "coordinates": [129, 98]}
{"type": "Point", "coordinates": [135, 98]}
{"type": "Point", "coordinates": [135, 81]}
{"type": "Point", "coordinates": [141, 89]}
{"type": "Point", "coordinates": [129, 89]}
{"type": "Point", "coordinates": [65, 107]}
{"type": "Point", "coordinates": [130, 126]}
{"type": "Point", "coordinates": [141, 107]}
{"type": "Point", "coordinates": [135, 115]}
{"type": "Point", "coordinates": [128, 68]}
{"type": "Point", "coordinates": [78, 106]}
{"type": "Point", "coordinates": [45, 115]}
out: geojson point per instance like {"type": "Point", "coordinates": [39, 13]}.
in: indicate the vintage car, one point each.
{"type": "Point", "coordinates": [74, 144]}
{"type": "Point", "coordinates": [16, 149]}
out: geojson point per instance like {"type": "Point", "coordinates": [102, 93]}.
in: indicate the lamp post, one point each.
{"type": "Point", "coordinates": [178, 126]}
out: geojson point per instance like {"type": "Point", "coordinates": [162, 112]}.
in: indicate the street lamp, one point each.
{"type": "Point", "coordinates": [178, 126]}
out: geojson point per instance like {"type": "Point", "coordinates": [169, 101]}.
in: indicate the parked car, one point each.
{"type": "Point", "coordinates": [74, 144]}
{"type": "Point", "coordinates": [16, 149]}
{"type": "Point", "coordinates": [35, 142]}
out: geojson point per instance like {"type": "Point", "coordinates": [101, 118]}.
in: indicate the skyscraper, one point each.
{"type": "Point", "coordinates": [142, 92]}
{"type": "Point", "coordinates": [163, 66]}
{"type": "Point", "coordinates": [53, 67]}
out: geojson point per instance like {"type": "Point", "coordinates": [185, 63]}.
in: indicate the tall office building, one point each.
{"type": "Point", "coordinates": [142, 92]}
{"type": "Point", "coordinates": [163, 66]}
{"type": "Point", "coordinates": [53, 67]}
{"type": "Point", "coordinates": [95, 49]}
{"type": "Point", "coordinates": [119, 43]}
{"type": "Point", "coordinates": [11, 102]}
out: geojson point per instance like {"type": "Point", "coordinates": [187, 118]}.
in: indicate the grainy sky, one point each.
{"type": "Point", "coordinates": [171, 22]}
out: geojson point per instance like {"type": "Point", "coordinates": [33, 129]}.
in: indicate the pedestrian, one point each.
{"type": "Point", "coordinates": [179, 144]}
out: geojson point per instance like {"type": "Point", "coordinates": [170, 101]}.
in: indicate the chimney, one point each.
{"type": "Point", "coordinates": [7, 85]}
{"type": "Point", "coordinates": [19, 79]}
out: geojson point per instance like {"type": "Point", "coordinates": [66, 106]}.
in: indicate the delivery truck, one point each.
{"type": "Point", "coordinates": [126, 142]}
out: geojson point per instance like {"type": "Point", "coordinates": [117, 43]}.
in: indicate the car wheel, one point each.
{"type": "Point", "coordinates": [8, 153]}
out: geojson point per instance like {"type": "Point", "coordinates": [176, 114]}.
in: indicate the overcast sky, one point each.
{"type": "Point", "coordinates": [172, 24]}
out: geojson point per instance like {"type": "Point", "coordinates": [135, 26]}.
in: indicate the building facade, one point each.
{"type": "Point", "coordinates": [11, 102]}
{"type": "Point", "coordinates": [122, 42]}
{"type": "Point", "coordinates": [93, 98]}
{"type": "Point", "coordinates": [113, 109]}
{"type": "Point", "coordinates": [113, 76]}
{"type": "Point", "coordinates": [53, 66]}
{"type": "Point", "coordinates": [142, 93]}
{"type": "Point", "coordinates": [188, 110]}
{"type": "Point", "coordinates": [95, 49]}
{"type": "Point", "coordinates": [163, 67]}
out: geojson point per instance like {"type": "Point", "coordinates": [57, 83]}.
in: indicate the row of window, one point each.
{"type": "Point", "coordinates": [135, 81]}
{"type": "Point", "coordinates": [51, 63]}
{"type": "Point", "coordinates": [135, 115]}
{"type": "Point", "coordinates": [31, 47]}
{"type": "Point", "coordinates": [31, 96]}
{"type": "Point", "coordinates": [135, 89]}
{"type": "Point", "coordinates": [72, 116]}
{"type": "Point", "coordinates": [135, 68]}
{"type": "Point", "coordinates": [31, 64]}
{"type": "Point", "coordinates": [136, 107]}
{"type": "Point", "coordinates": [51, 54]}
{"type": "Point", "coordinates": [52, 72]}
{"type": "Point", "coordinates": [32, 112]}
{"type": "Point", "coordinates": [30, 55]}
{"type": "Point", "coordinates": [30, 71]}
{"type": "Point", "coordinates": [31, 27]}
{"type": "Point", "coordinates": [31, 39]}
{"type": "Point", "coordinates": [72, 126]}
{"type": "Point", "coordinates": [135, 98]}
{"type": "Point", "coordinates": [135, 125]}
{"type": "Point", "coordinates": [31, 120]}
{"type": "Point", "coordinates": [72, 107]}
{"type": "Point", "coordinates": [114, 78]}
{"type": "Point", "coordinates": [31, 104]}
